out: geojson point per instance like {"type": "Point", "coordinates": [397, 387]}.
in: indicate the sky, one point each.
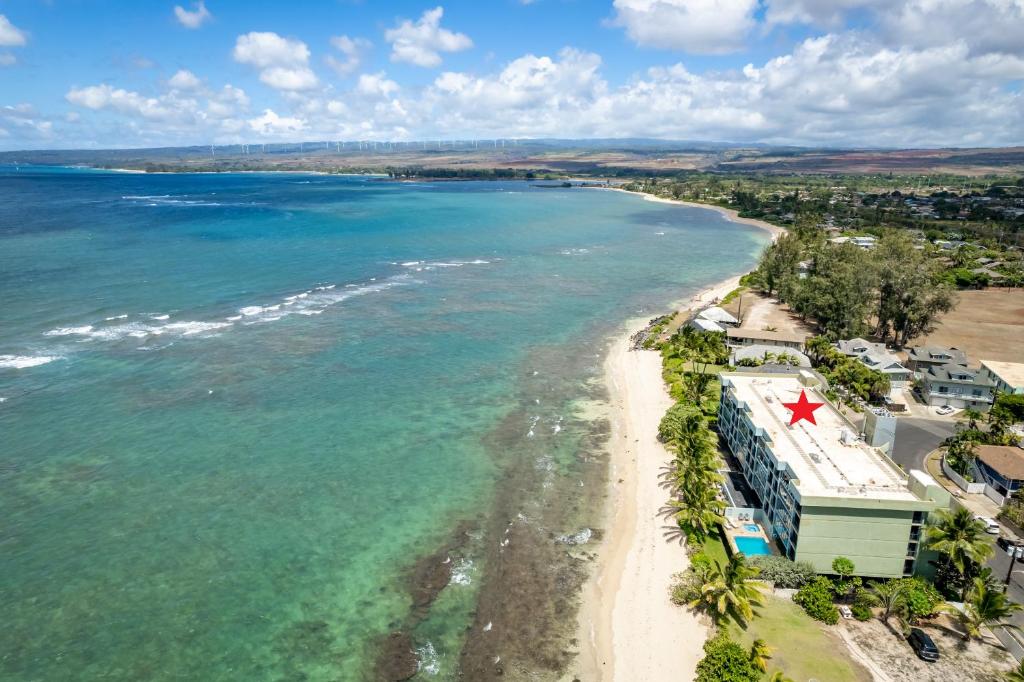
{"type": "Point", "coordinates": [833, 73]}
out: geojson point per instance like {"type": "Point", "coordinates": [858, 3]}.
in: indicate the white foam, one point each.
{"type": "Point", "coordinates": [192, 328]}
{"type": "Point", "coordinates": [160, 317]}
{"type": "Point", "coordinates": [427, 660]}
{"type": "Point", "coordinates": [580, 537]}
{"type": "Point", "coordinates": [116, 317]}
{"type": "Point", "coordinates": [84, 330]}
{"type": "Point", "coordinates": [251, 310]}
{"type": "Point", "coordinates": [25, 361]}
{"type": "Point", "coordinates": [462, 572]}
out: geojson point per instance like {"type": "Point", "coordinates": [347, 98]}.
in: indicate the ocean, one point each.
{"type": "Point", "coordinates": [295, 427]}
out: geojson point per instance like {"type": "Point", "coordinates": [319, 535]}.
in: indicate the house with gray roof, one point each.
{"type": "Point", "coordinates": [719, 316]}
{"type": "Point", "coordinates": [702, 325]}
{"type": "Point", "coordinates": [920, 358]}
{"type": "Point", "coordinates": [956, 386]}
{"type": "Point", "coordinates": [769, 355]}
{"type": "Point", "coordinates": [877, 357]}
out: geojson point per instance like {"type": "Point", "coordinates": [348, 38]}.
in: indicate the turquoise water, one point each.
{"type": "Point", "coordinates": [252, 424]}
{"type": "Point", "coordinates": [752, 546]}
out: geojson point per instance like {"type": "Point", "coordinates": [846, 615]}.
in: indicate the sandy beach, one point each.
{"type": "Point", "coordinates": [628, 628]}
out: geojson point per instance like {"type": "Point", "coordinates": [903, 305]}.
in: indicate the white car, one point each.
{"type": "Point", "coordinates": [991, 527]}
{"type": "Point", "coordinates": [945, 409]}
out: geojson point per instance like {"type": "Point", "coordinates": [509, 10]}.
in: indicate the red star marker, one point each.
{"type": "Point", "coordinates": [802, 409]}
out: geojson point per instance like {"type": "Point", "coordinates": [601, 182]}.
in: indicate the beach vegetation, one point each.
{"type": "Point", "coordinates": [730, 591]}
{"type": "Point", "coordinates": [726, 661]}
{"type": "Point", "coordinates": [985, 606]}
{"type": "Point", "coordinates": [963, 546]}
{"type": "Point", "coordinates": [816, 598]}
{"type": "Point", "coordinates": [782, 572]}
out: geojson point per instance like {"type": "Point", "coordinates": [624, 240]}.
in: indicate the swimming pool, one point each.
{"type": "Point", "coordinates": [751, 527]}
{"type": "Point", "coordinates": [752, 546]}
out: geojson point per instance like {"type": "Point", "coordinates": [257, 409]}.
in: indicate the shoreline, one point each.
{"type": "Point", "coordinates": [730, 214]}
{"type": "Point", "coordinates": [627, 627]}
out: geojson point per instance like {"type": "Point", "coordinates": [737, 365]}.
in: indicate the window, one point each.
{"type": "Point", "coordinates": [943, 389]}
{"type": "Point", "coordinates": [919, 517]}
{"type": "Point", "coordinates": [908, 567]}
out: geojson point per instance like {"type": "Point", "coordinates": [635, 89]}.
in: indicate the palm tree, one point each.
{"type": "Point", "coordinates": [730, 591]}
{"type": "Point", "coordinates": [986, 606]}
{"type": "Point", "coordinates": [961, 538]}
{"type": "Point", "coordinates": [972, 416]}
{"type": "Point", "coordinates": [760, 652]}
{"type": "Point", "coordinates": [890, 595]}
{"type": "Point", "coordinates": [779, 676]}
{"type": "Point", "coordinates": [699, 516]}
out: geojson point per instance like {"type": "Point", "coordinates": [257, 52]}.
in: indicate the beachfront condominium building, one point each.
{"type": "Point", "coordinates": [1007, 377]}
{"type": "Point", "coordinates": [819, 489]}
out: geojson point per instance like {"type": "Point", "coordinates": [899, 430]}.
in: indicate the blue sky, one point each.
{"type": "Point", "coordinates": [812, 72]}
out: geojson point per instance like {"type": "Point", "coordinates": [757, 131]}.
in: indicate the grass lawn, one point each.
{"type": "Point", "coordinates": [801, 647]}
{"type": "Point", "coordinates": [714, 547]}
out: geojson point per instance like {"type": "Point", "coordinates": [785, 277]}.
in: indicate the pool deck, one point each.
{"type": "Point", "coordinates": [739, 530]}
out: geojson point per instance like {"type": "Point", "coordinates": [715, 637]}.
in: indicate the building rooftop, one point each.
{"type": "Point", "coordinates": [763, 335]}
{"type": "Point", "coordinates": [1010, 372]}
{"type": "Point", "coordinates": [716, 314]}
{"type": "Point", "coordinates": [700, 324]}
{"type": "Point", "coordinates": [957, 374]}
{"type": "Point", "coordinates": [858, 346]}
{"type": "Point", "coordinates": [1006, 459]}
{"type": "Point", "coordinates": [938, 354]}
{"type": "Point", "coordinates": [828, 458]}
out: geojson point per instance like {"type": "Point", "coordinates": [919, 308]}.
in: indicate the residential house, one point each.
{"type": "Point", "coordinates": [767, 355]}
{"type": "Point", "coordinates": [956, 386]}
{"type": "Point", "coordinates": [920, 358]}
{"type": "Point", "coordinates": [819, 490]}
{"type": "Point", "coordinates": [760, 337]}
{"type": "Point", "coordinates": [719, 316]}
{"type": "Point", "coordinates": [1008, 377]}
{"type": "Point", "coordinates": [877, 357]}
{"type": "Point", "coordinates": [1002, 467]}
{"type": "Point", "coordinates": [702, 325]}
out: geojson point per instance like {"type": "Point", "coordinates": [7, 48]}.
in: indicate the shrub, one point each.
{"type": "Point", "coordinates": [784, 573]}
{"type": "Point", "coordinates": [816, 599]}
{"type": "Point", "coordinates": [861, 612]}
{"type": "Point", "coordinates": [726, 661]}
{"type": "Point", "coordinates": [921, 596]}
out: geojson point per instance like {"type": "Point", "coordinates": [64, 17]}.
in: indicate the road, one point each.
{"type": "Point", "coordinates": [1000, 563]}
{"type": "Point", "coordinates": [916, 437]}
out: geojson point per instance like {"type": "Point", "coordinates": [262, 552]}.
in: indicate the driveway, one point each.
{"type": "Point", "coordinates": [916, 437]}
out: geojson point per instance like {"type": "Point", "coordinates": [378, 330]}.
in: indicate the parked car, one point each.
{"type": "Point", "coordinates": [923, 645]}
{"type": "Point", "coordinates": [991, 527]}
{"type": "Point", "coordinates": [945, 409]}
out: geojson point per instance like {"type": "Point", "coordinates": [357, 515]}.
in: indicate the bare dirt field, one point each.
{"type": "Point", "coordinates": [892, 658]}
{"type": "Point", "coordinates": [757, 311]}
{"type": "Point", "coordinates": [987, 324]}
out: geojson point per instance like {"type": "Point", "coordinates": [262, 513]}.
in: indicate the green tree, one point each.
{"type": "Point", "coordinates": [779, 260]}
{"type": "Point", "coordinates": [890, 596]}
{"type": "Point", "coordinates": [960, 538]}
{"type": "Point", "coordinates": [910, 295]}
{"type": "Point", "coordinates": [985, 606]}
{"type": "Point", "coordinates": [731, 591]}
{"type": "Point", "coordinates": [725, 661]}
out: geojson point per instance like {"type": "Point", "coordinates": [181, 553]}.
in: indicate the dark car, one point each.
{"type": "Point", "coordinates": [923, 645]}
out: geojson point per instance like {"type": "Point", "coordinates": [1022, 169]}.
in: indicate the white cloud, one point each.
{"type": "Point", "coordinates": [376, 85]}
{"type": "Point", "coordinates": [353, 50]}
{"type": "Point", "coordinates": [184, 80]}
{"type": "Point", "coordinates": [820, 12]}
{"type": "Point", "coordinates": [694, 26]}
{"type": "Point", "coordinates": [421, 43]}
{"type": "Point", "coordinates": [270, 124]}
{"type": "Point", "coordinates": [10, 35]}
{"type": "Point", "coordinates": [283, 62]}
{"type": "Point", "coordinates": [984, 25]}
{"type": "Point", "coordinates": [196, 17]}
